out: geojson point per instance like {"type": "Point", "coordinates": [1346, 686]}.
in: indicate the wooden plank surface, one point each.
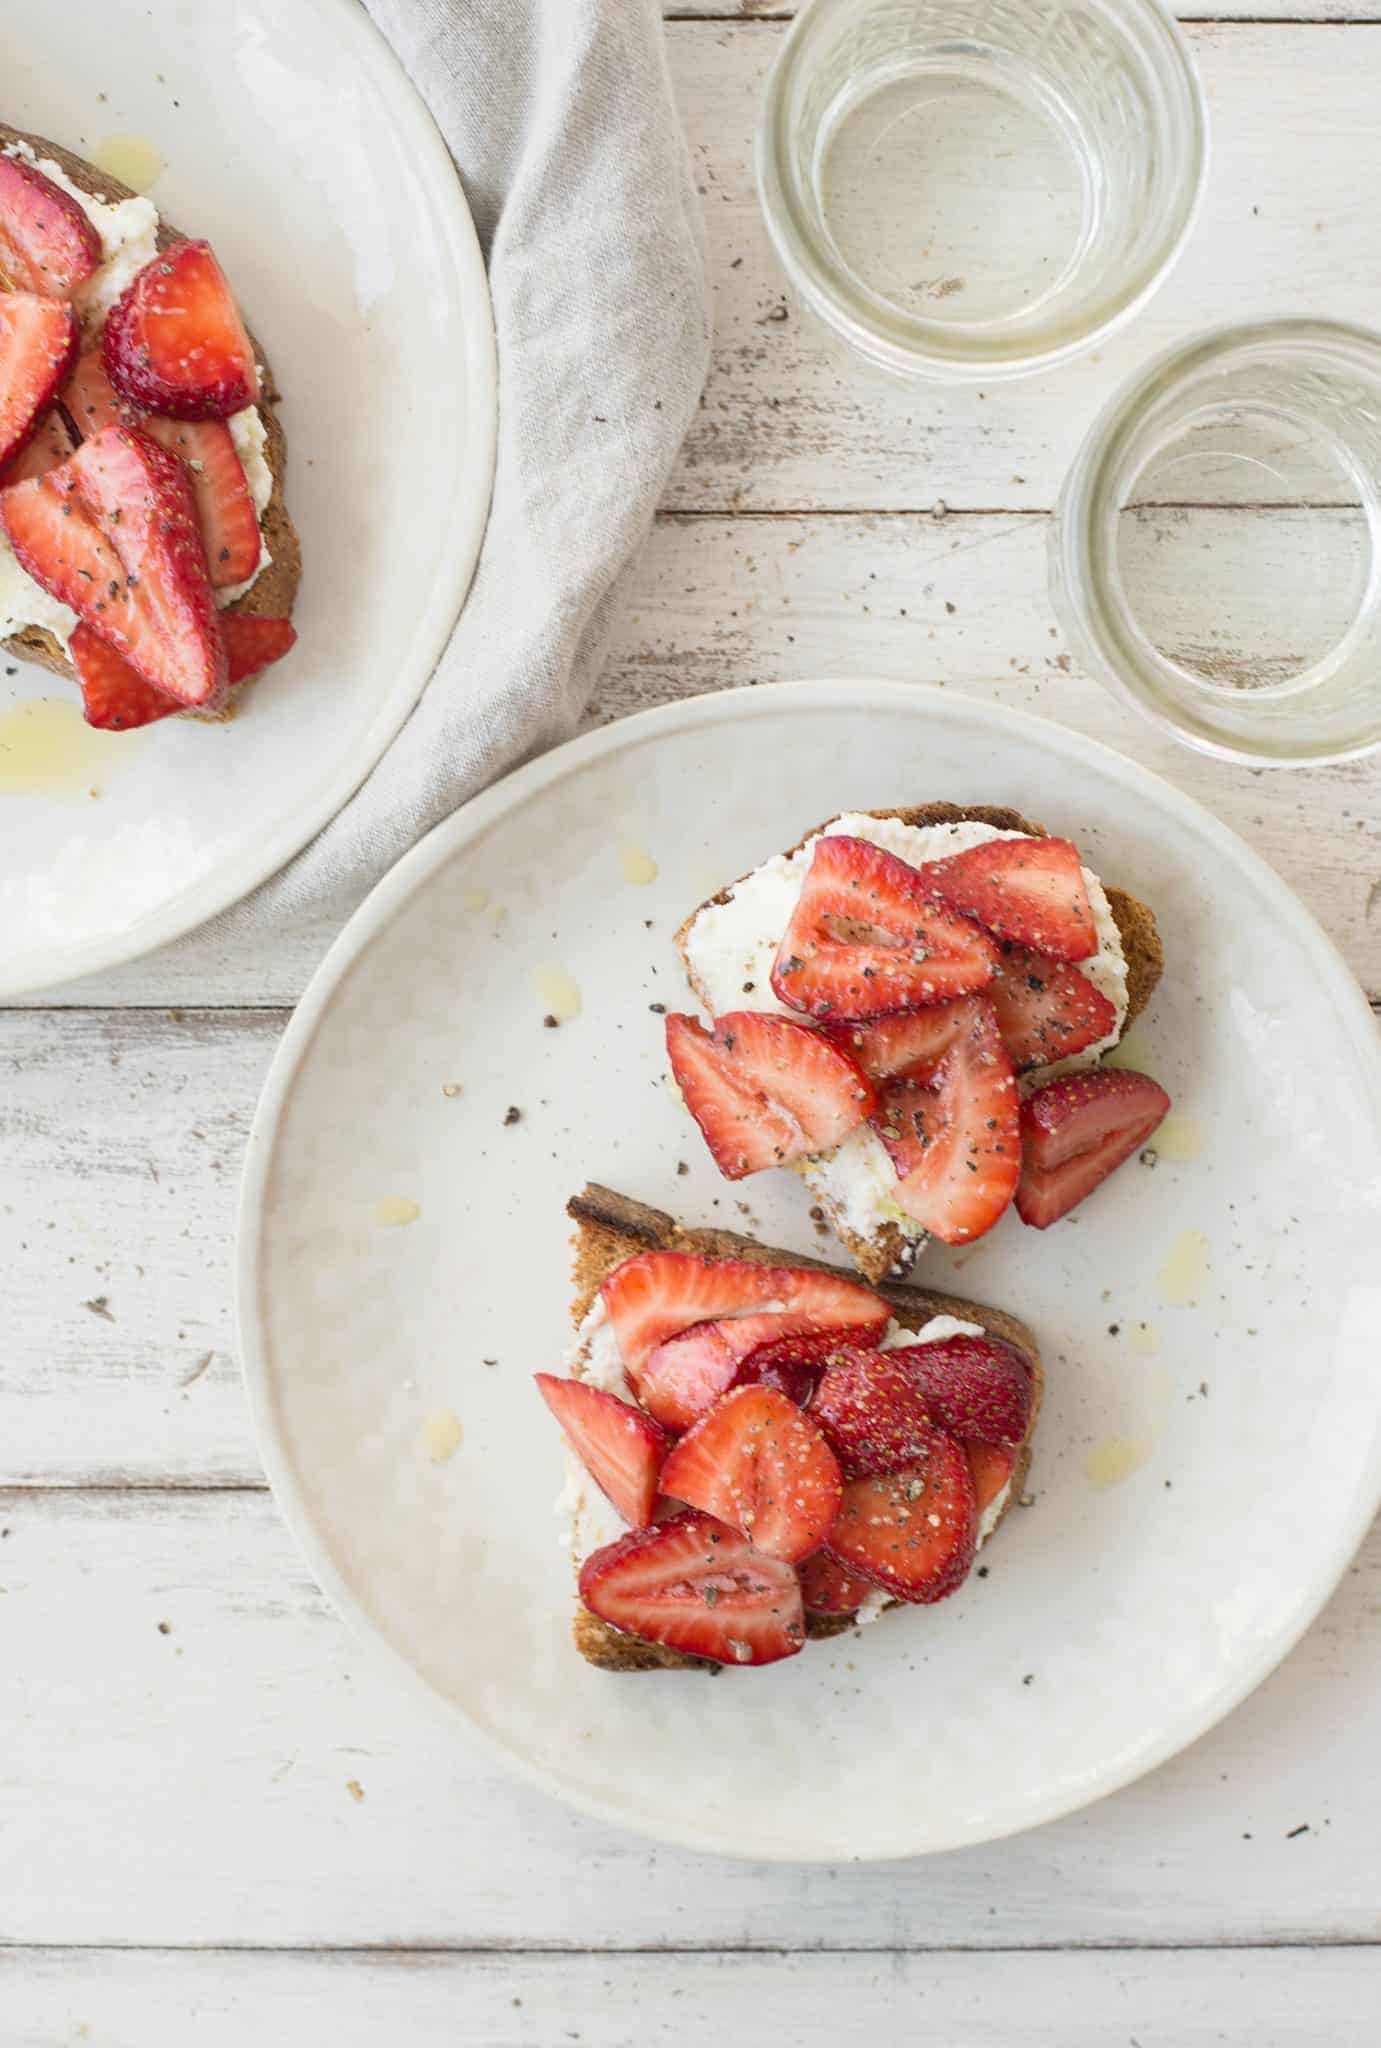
{"type": "Point", "coordinates": [54, 1999]}
{"type": "Point", "coordinates": [194, 1786]}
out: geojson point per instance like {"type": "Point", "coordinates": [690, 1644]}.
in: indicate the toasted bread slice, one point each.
{"type": "Point", "coordinates": [274, 592]}
{"type": "Point", "coordinates": [611, 1228]}
{"type": "Point", "coordinates": [889, 1251]}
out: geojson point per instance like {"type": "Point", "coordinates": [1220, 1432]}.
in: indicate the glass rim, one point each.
{"type": "Point", "coordinates": [951, 351]}
{"type": "Point", "coordinates": [1084, 588]}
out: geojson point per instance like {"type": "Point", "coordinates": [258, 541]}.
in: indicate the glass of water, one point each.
{"type": "Point", "coordinates": [973, 189]}
{"type": "Point", "coordinates": [1216, 555]}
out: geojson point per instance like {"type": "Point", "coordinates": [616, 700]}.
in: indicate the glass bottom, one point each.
{"type": "Point", "coordinates": [952, 188]}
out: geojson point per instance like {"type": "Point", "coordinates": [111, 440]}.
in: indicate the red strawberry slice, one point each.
{"type": "Point", "coordinates": [698, 1587]}
{"type": "Point", "coordinates": [758, 1464]}
{"type": "Point", "coordinates": [620, 1448]}
{"type": "Point", "coordinates": [764, 1090]}
{"type": "Point", "coordinates": [38, 340]}
{"type": "Point", "coordinates": [957, 1147]}
{"type": "Point", "coordinates": [912, 1043]}
{"type": "Point", "coordinates": [827, 1588]}
{"type": "Point", "coordinates": [143, 502]}
{"type": "Point", "coordinates": [1078, 1130]}
{"type": "Point", "coordinates": [870, 1413]}
{"type": "Point", "coordinates": [47, 244]}
{"type": "Point", "coordinates": [654, 1294]}
{"type": "Point", "coordinates": [868, 936]}
{"type": "Point", "coordinates": [49, 449]}
{"type": "Point", "coordinates": [1046, 1010]}
{"type": "Point", "coordinates": [977, 1388]}
{"type": "Point", "coordinates": [794, 1364]}
{"type": "Point", "coordinates": [992, 1469]}
{"type": "Point", "coordinates": [225, 508]}
{"type": "Point", "coordinates": [58, 543]}
{"type": "Point", "coordinates": [175, 343]}
{"type": "Point", "coordinates": [115, 695]}
{"type": "Point", "coordinates": [253, 644]}
{"type": "Point", "coordinates": [913, 1532]}
{"type": "Point", "coordinates": [1029, 890]}
{"type": "Point", "coordinates": [683, 1378]}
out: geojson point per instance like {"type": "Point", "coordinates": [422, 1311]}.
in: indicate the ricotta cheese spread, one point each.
{"type": "Point", "coordinates": [731, 948]}
{"type": "Point", "coordinates": [128, 229]}
{"type": "Point", "coordinates": [589, 1520]}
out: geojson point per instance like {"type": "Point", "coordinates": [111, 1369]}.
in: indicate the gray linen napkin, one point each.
{"type": "Point", "coordinates": [559, 116]}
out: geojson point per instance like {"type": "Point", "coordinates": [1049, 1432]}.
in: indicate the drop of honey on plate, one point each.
{"type": "Point", "coordinates": [476, 899]}
{"type": "Point", "coordinates": [639, 868]}
{"type": "Point", "coordinates": [48, 749]}
{"type": "Point", "coordinates": [1108, 1464]}
{"type": "Point", "coordinates": [1184, 1271]}
{"type": "Point", "coordinates": [393, 1211]}
{"type": "Point", "coordinates": [130, 158]}
{"type": "Point", "coordinates": [441, 1434]}
{"type": "Point", "coordinates": [557, 992]}
{"type": "Point", "coordinates": [1179, 1139]}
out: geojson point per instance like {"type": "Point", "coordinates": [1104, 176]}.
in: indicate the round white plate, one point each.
{"type": "Point", "coordinates": [1210, 1451]}
{"type": "Point", "coordinates": [292, 139]}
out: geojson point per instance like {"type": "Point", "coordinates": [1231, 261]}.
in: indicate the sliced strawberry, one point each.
{"type": "Point", "coordinates": [827, 1588]}
{"type": "Point", "coordinates": [871, 1413]}
{"type": "Point", "coordinates": [992, 1469]}
{"type": "Point", "coordinates": [175, 343]}
{"type": "Point", "coordinates": [1046, 1010]}
{"type": "Point", "coordinates": [684, 1377]}
{"type": "Point", "coordinates": [1078, 1130]}
{"type": "Point", "coordinates": [253, 644]}
{"type": "Point", "coordinates": [977, 1388]}
{"type": "Point", "coordinates": [758, 1464]}
{"type": "Point", "coordinates": [867, 936]}
{"type": "Point", "coordinates": [764, 1090]}
{"type": "Point", "coordinates": [698, 1587]}
{"type": "Point", "coordinates": [913, 1042]}
{"type": "Point", "coordinates": [913, 1532]}
{"type": "Point", "coordinates": [957, 1146]}
{"type": "Point", "coordinates": [57, 542]}
{"type": "Point", "coordinates": [38, 341]}
{"type": "Point", "coordinates": [115, 696]}
{"type": "Point", "coordinates": [654, 1294]}
{"type": "Point", "coordinates": [793, 1364]}
{"type": "Point", "coordinates": [90, 398]}
{"type": "Point", "coordinates": [1029, 890]}
{"type": "Point", "coordinates": [619, 1446]}
{"type": "Point", "coordinates": [47, 244]}
{"type": "Point", "coordinates": [142, 499]}
{"type": "Point", "coordinates": [49, 449]}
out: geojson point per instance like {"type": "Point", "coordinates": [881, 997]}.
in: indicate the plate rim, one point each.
{"type": "Point", "coordinates": [54, 967]}
{"type": "Point", "coordinates": [373, 917]}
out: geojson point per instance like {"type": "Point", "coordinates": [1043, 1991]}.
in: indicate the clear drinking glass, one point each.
{"type": "Point", "coordinates": [972, 189]}
{"type": "Point", "coordinates": [1216, 555]}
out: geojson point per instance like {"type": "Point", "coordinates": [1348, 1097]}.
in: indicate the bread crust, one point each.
{"type": "Point", "coordinates": [610, 1228]}
{"type": "Point", "coordinates": [889, 1251]}
{"type": "Point", "coordinates": [274, 593]}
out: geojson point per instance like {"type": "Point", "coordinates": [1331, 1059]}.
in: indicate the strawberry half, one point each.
{"type": "Point", "coordinates": [49, 449]}
{"type": "Point", "coordinates": [174, 342]}
{"type": "Point", "coordinates": [870, 1412]}
{"type": "Point", "coordinates": [115, 695]}
{"type": "Point", "coordinates": [912, 1532]}
{"type": "Point", "coordinates": [1046, 1010]}
{"type": "Point", "coordinates": [1078, 1130]}
{"type": "Point", "coordinates": [758, 1464]}
{"type": "Point", "coordinates": [992, 1469]}
{"type": "Point", "coordinates": [956, 1146]}
{"type": "Point", "coordinates": [654, 1294]}
{"type": "Point", "coordinates": [38, 341]}
{"type": "Point", "coordinates": [620, 1448]}
{"type": "Point", "coordinates": [57, 542]}
{"type": "Point", "coordinates": [867, 936]}
{"type": "Point", "coordinates": [827, 1588]}
{"type": "Point", "coordinates": [683, 1378]}
{"type": "Point", "coordinates": [794, 1364]}
{"type": "Point", "coordinates": [698, 1587]}
{"type": "Point", "coordinates": [912, 1043]}
{"type": "Point", "coordinates": [764, 1090]}
{"type": "Point", "coordinates": [975, 1387]}
{"type": "Point", "coordinates": [253, 644]}
{"type": "Point", "coordinates": [1029, 890]}
{"type": "Point", "coordinates": [90, 399]}
{"type": "Point", "coordinates": [47, 244]}
{"type": "Point", "coordinates": [142, 500]}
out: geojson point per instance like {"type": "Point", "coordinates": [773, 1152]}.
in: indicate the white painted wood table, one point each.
{"type": "Point", "coordinates": [215, 1825]}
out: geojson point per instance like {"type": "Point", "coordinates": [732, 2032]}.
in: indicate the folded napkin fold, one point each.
{"type": "Point", "coordinates": [559, 116]}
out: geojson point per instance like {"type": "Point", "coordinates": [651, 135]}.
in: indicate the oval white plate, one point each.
{"type": "Point", "coordinates": [292, 139]}
{"type": "Point", "coordinates": [1118, 1620]}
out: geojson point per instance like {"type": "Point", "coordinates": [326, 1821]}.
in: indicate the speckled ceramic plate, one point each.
{"type": "Point", "coordinates": [359, 269]}
{"type": "Point", "coordinates": [1210, 1451]}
